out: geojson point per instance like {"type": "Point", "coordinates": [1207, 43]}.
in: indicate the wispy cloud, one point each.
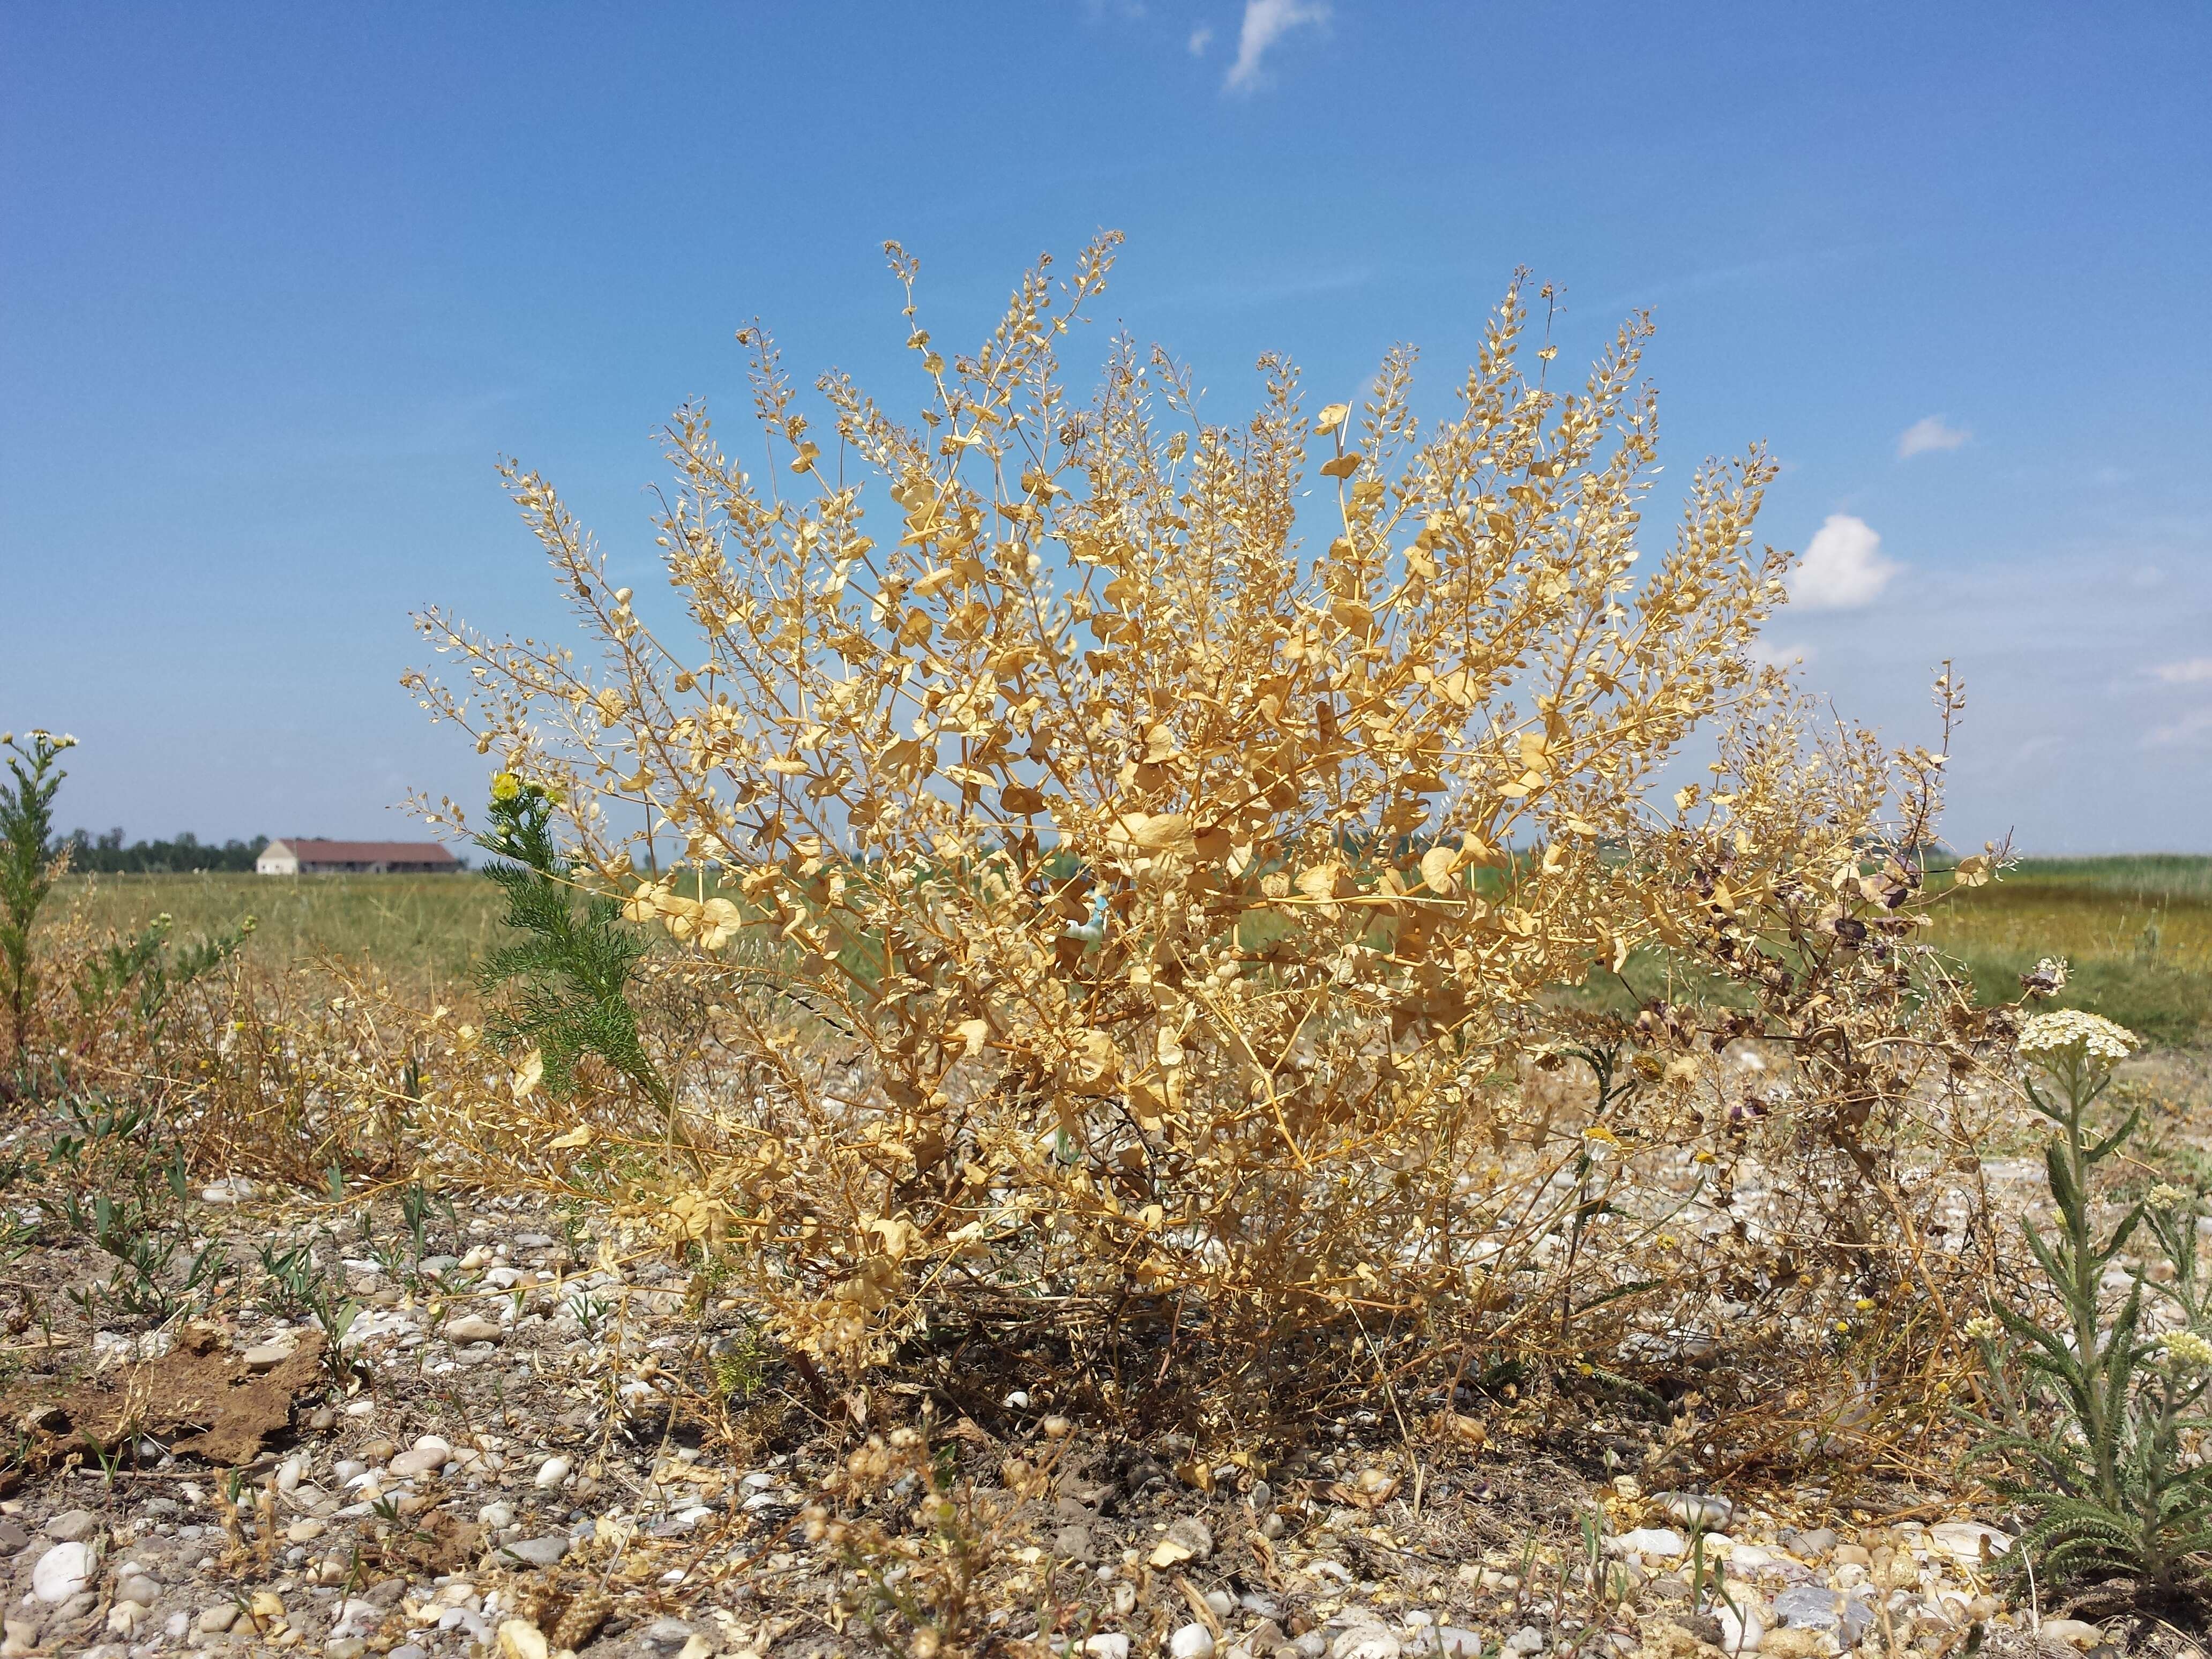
{"type": "Point", "coordinates": [2189, 731]}
{"type": "Point", "coordinates": [1784, 654]}
{"type": "Point", "coordinates": [1843, 569]}
{"type": "Point", "coordinates": [1267, 22]}
{"type": "Point", "coordinates": [1931, 433]}
{"type": "Point", "coordinates": [1239, 292]}
{"type": "Point", "coordinates": [2192, 670]}
{"type": "Point", "coordinates": [1200, 38]}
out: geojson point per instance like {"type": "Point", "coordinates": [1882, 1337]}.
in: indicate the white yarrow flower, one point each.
{"type": "Point", "coordinates": [2068, 1031]}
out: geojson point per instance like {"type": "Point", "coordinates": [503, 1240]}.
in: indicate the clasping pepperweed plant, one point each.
{"type": "Point", "coordinates": [2092, 1419]}
{"type": "Point", "coordinates": [1178, 828]}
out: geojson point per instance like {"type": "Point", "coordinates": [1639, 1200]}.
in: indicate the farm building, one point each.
{"type": "Point", "coordinates": [302, 855]}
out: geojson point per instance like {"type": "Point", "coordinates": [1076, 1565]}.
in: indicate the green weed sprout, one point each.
{"type": "Point", "coordinates": [27, 864]}
{"type": "Point", "coordinates": [567, 980]}
{"type": "Point", "coordinates": [2089, 1422]}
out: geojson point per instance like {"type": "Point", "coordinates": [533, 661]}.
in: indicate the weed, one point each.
{"type": "Point", "coordinates": [2093, 1421]}
{"type": "Point", "coordinates": [28, 867]}
{"type": "Point", "coordinates": [740, 1367]}
{"type": "Point", "coordinates": [567, 980]}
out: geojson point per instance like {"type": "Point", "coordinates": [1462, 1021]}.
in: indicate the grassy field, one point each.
{"type": "Point", "coordinates": [2137, 930]}
{"type": "Point", "coordinates": [421, 931]}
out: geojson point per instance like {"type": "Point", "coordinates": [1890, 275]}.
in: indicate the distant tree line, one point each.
{"type": "Point", "coordinates": [106, 854]}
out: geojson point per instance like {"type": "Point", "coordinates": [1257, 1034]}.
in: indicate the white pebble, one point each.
{"type": "Point", "coordinates": [552, 1471]}
{"type": "Point", "coordinates": [62, 1571]}
{"type": "Point", "coordinates": [1192, 1641]}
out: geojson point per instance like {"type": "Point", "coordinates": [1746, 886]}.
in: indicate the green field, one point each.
{"type": "Point", "coordinates": [421, 932]}
{"type": "Point", "coordinates": [2137, 930]}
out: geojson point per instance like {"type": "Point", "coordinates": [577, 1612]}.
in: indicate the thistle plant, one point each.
{"type": "Point", "coordinates": [28, 865]}
{"type": "Point", "coordinates": [2093, 1420]}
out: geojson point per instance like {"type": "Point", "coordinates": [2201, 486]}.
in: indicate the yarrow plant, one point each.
{"type": "Point", "coordinates": [2093, 1420]}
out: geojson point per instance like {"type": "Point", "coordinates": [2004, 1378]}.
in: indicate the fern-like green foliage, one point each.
{"type": "Point", "coordinates": [565, 985]}
{"type": "Point", "coordinates": [29, 865]}
{"type": "Point", "coordinates": [2089, 1424]}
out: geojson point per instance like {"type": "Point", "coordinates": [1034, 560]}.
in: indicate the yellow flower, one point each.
{"type": "Point", "coordinates": [505, 786]}
{"type": "Point", "coordinates": [2189, 1351]}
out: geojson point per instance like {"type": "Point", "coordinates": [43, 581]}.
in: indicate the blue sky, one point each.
{"type": "Point", "coordinates": [278, 284]}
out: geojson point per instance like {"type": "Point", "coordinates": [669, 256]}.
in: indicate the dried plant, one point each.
{"type": "Point", "coordinates": [1153, 908]}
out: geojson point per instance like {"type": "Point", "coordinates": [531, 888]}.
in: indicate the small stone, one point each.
{"type": "Point", "coordinates": [214, 1621]}
{"type": "Point", "coordinates": [1527, 1639]}
{"type": "Point", "coordinates": [1192, 1641]}
{"type": "Point", "coordinates": [344, 1647]}
{"type": "Point", "coordinates": [266, 1355]}
{"type": "Point", "coordinates": [537, 1551]}
{"type": "Point", "coordinates": [14, 1535]}
{"type": "Point", "coordinates": [1809, 1606]}
{"type": "Point", "coordinates": [1965, 1541]}
{"type": "Point", "coordinates": [1741, 1628]}
{"type": "Point", "coordinates": [1649, 1540]}
{"type": "Point", "coordinates": [1365, 1642]}
{"type": "Point", "coordinates": [323, 1420]}
{"type": "Point", "coordinates": [1448, 1641]}
{"type": "Point", "coordinates": [1188, 1539]}
{"type": "Point", "coordinates": [138, 1587]}
{"type": "Point", "coordinates": [1111, 1645]}
{"type": "Point", "coordinates": [73, 1526]}
{"type": "Point", "coordinates": [305, 1532]}
{"type": "Point", "coordinates": [552, 1471]}
{"type": "Point", "coordinates": [534, 1241]}
{"type": "Point", "coordinates": [667, 1633]}
{"type": "Point", "coordinates": [2072, 1632]}
{"type": "Point", "coordinates": [1073, 1544]}
{"type": "Point", "coordinates": [407, 1651]}
{"type": "Point", "coordinates": [62, 1573]}
{"type": "Point", "coordinates": [1220, 1602]}
{"type": "Point", "coordinates": [1699, 1510]}
{"type": "Point", "coordinates": [420, 1461]}
{"type": "Point", "coordinates": [232, 1190]}
{"type": "Point", "coordinates": [472, 1327]}
{"type": "Point", "coordinates": [1813, 1542]}
{"type": "Point", "coordinates": [497, 1516]}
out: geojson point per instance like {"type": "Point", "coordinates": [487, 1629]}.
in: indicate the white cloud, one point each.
{"type": "Point", "coordinates": [1784, 654]}
{"type": "Point", "coordinates": [2188, 730]}
{"type": "Point", "coordinates": [2193, 670]}
{"type": "Point", "coordinates": [1267, 22]}
{"type": "Point", "coordinates": [1843, 569]}
{"type": "Point", "coordinates": [1200, 38]}
{"type": "Point", "coordinates": [1930, 433]}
